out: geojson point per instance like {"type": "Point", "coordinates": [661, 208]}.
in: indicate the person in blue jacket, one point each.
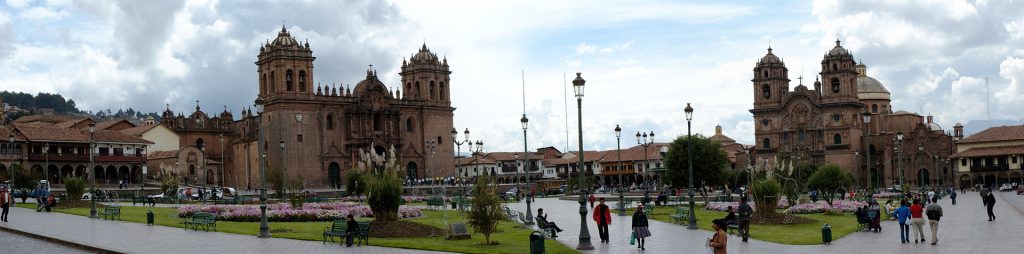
{"type": "Point", "coordinates": [902, 215]}
{"type": "Point", "coordinates": [41, 194]}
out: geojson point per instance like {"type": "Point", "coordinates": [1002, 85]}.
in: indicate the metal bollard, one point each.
{"type": "Point", "coordinates": [149, 217]}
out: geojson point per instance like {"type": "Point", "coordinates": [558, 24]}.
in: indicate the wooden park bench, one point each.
{"type": "Point", "coordinates": [111, 212]}
{"type": "Point", "coordinates": [682, 214]}
{"type": "Point", "coordinates": [315, 199]}
{"type": "Point", "coordinates": [201, 219]}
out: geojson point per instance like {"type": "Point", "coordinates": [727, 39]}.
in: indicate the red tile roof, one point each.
{"type": "Point", "coordinates": [52, 119]}
{"type": "Point", "coordinates": [990, 151]}
{"type": "Point", "coordinates": [162, 154]}
{"type": "Point", "coordinates": [105, 125]}
{"type": "Point", "coordinates": [71, 123]}
{"type": "Point", "coordinates": [1001, 133]}
{"type": "Point", "coordinates": [139, 130]}
{"type": "Point", "coordinates": [41, 133]}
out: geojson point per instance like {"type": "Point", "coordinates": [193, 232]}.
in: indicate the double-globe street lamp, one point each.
{"type": "Point", "coordinates": [689, 162]}
{"type": "Point", "coordinates": [584, 243]}
{"type": "Point", "coordinates": [618, 168]}
{"type": "Point", "coordinates": [645, 142]}
{"type": "Point", "coordinates": [264, 228]}
{"type": "Point", "coordinates": [458, 145]}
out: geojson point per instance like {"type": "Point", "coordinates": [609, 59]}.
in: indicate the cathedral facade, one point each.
{"type": "Point", "coordinates": [846, 120]}
{"type": "Point", "coordinates": [315, 132]}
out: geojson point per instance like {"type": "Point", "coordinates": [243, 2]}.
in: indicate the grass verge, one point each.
{"type": "Point", "coordinates": [512, 239]}
{"type": "Point", "coordinates": [798, 234]}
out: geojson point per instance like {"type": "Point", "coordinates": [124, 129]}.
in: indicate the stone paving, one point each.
{"type": "Point", "coordinates": [14, 243]}
{"type": "Point", "coordinates": [964, 229]}
{"type": "Point", "coordinates": [128, 237]}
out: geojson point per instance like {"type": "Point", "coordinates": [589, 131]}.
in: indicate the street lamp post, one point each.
{"type": "Point", "coordinates": [584, 243]}
{"type": "Point", "coordinates": [526, 169]}
{"type": "Point", "coordinates": [222, 182]}
{"type": "Point", "coordinates": [866, 116]}
{"type": "Point", "coordinates": [92, 162]}
{"type": "Point", "coordinates": [284, 174]}
{"type": "Point", "coordinates": [899, 162]}
{"type": "Point", "coordinates": [618, 168]}
{"type": "Point", "coordinates": [264, 228]}
{"type": "Point", "coordinates": [202, 149]}
{"type": "Point", "coordinates": [921, 181]}
{"type": "Point", "coordinates": [46, 162]}
{"type": "Point", "coordinates": [643, 141]}
{"type": "Point", "coordinates": [10, 138]}
{"type": "Point", "coordinates": [458, 145]}
{"type": "Point", "coordinates": [689, 162]}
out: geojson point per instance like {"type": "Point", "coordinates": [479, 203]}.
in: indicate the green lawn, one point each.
{"type": "Point", "coordinates": [511, 239]}
{"type": "Point", "coordinates": [799, 234]}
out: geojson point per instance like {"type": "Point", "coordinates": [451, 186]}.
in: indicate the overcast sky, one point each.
{"type": "Point", "coordinates": [643, 60]}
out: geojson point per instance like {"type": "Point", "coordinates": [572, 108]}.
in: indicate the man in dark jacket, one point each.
{"type": "Point", "coordinates": [990, 201]}
{"type": "Point", "coordinates": [744, 218]}
{"type": "Point", "coordinates": [352, 228]}
{"type": "Point", "coordinates": [934, 212]}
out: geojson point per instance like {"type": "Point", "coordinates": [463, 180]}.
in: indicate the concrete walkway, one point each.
{"type": "Point", "coordinates": [127, 237]}
{"type": "Point", "coordinates": [964, 229]}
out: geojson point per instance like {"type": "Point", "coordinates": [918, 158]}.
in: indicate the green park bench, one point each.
{"type": "Point", "coordinates": [548, 232]}
{"type": "Point", "coordinates": [315, 199]}
{"type": "Point", "coordinates": [435, 202]}
{"type": "Point", "coordinates": [682, 214]}
{"type": "Point", "coordinates": [649, 210]}
{"type": "Point", "coordinates": [140, 200]}
{"type": "Point", "coordinates": [111, 212]}
{"type": "Point", "coordinates": [201, 219]}
{"type": "Point", "coordinates": [338, 228]}
{"type": "Point", "coordinates": [363, 234]}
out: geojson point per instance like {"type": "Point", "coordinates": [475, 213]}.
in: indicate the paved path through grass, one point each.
{"type": "Point", "coordinates": [131, 237]}
{"type": "Point", "coordinates": [964, 229]}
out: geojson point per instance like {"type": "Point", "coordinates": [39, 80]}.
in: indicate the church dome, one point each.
{"type": "Point", "coordinates": [425, 55]}
{"type": "Point", "coordinates": [838, 50]}
{"type": "Point", "coordinates": [371, 83]}
{"type": "Point", "coordinates": [284, 39]}
{"type": "Point", "coordinates": [770, 57]}
{"type": "Point", "coordinates": [868, 87]}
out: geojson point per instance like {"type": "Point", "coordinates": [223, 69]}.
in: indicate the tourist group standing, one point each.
{"type": "Point", "coordinates": [912, 216]}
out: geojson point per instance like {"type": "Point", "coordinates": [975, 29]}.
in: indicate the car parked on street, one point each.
{"type": "Point", "coordinates": [1020, 189]}
{"type": "Point", "coordinates": [1006, 187]}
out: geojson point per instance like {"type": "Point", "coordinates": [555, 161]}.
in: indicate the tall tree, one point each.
{"type": "Point", "coordinates": [830, 180]}
{"type": "Point", "coordinates": [709, 162]}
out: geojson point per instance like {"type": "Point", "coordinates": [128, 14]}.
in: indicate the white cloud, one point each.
{"type": "Point", "coordinates": [40, 13]}
{"type": "Point", "coordinates": [18, 4]}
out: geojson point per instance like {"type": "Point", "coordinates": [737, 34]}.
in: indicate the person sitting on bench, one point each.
{"type": "Point", "coordinates": [547, 224]}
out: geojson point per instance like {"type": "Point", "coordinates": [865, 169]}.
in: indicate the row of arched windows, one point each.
{"type": "Point", "coordinates": [269, 85]}
{"type": "Point", "coordinates": [437, 92]}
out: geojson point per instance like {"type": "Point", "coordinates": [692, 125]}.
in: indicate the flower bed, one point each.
{"type": "Point", "coordinates": [887, 195]}
{"type": "Point", "coordinates": [783, 203]}
{"type": "Point", "coordinates": [285, 212]}
{"type": "Point", "coordinates": [407, 199]}
{"type": "Point", "coordinates": [844, 206]}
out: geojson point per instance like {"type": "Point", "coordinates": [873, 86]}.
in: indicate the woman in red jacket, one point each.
{"type": "Point", "coordinates": [603, 217]}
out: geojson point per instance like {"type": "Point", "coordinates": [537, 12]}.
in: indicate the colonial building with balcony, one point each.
{"type": "Point", "coordinates": [56, 153]}
{"type": "Point", "coordinates": [990, 157]}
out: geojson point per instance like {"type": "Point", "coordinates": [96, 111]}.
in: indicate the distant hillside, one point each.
{"type": "Point", "coordinates": [33, 103]}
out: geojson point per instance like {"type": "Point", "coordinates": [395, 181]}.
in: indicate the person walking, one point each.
{"type": "Point", "coordinates": [902, 215]}
{"type": "Point", "coordinates": [743, 218]}
{"type": "Point", "coordinates": [934, 212]}
{"type": "Point", "coordinates": [591, 199]}
{"type": "Point", "coordinates": [603, 217]}
{"type": "Point", "coordinates": [640, 226]}
{"type": "Point", "coordinates": [952, 196]}
{"type": "Point", "coordinates": [916, 212]}
{"type": "Point", "coordinates": [719, 241]}
{"type": "Point", "coordinates": [990, 201]}
{"type": "Point", "coordinates": [5, 203]}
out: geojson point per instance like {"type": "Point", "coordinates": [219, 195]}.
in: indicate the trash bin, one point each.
{"type": "Point", "coordinates": [149, 217]}
{"type": "Point", "coordinates": [536, 242]}
{"type": "Point", "coordinates": [826, 234]}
